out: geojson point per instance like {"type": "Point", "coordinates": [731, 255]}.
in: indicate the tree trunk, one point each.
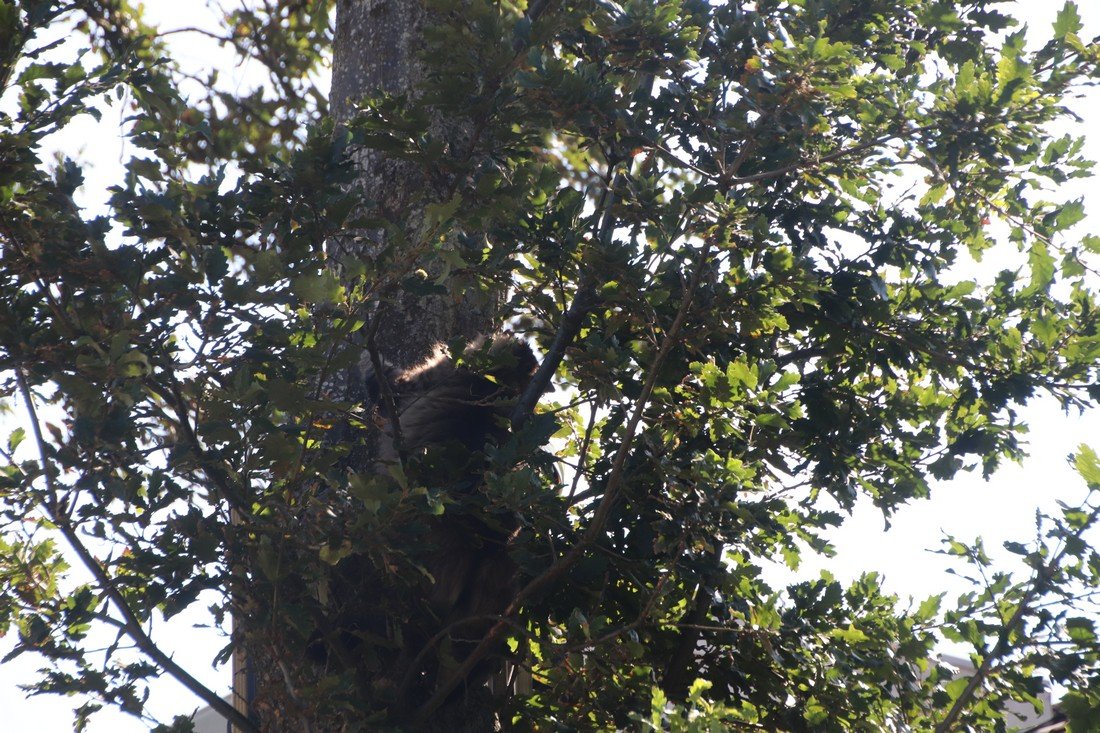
{"type": "Point", "coordinates": [377, 49]}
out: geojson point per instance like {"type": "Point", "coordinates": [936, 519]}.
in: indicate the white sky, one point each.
{"type": "Point", "coordinates": [999, 510]}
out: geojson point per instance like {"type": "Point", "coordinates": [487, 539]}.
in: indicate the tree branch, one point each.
{"type": "Point", "coordinates": [603, 510]}
{"type": "Point", "coordinates": [218, 474]}
{"type": "Point", "coordinates": [1039, 584]}
{"type": "Point", "coordinates": [131, 624]}
{"type": "Point", "coordinates": [571, 323]}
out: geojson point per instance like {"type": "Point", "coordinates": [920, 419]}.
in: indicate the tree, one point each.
{"type": "Point", "coordinates": [741, 236]}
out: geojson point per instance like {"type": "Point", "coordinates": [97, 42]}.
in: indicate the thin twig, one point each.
{"type": "Point", "coordinates": [582, 454]}
{"type": "Point", "coordinates": [217, 473]}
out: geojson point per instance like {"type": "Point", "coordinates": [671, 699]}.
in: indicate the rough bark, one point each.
{"type": "Point", "coordinates": [377, 48]}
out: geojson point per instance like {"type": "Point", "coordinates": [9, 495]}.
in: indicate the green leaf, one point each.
{"type": "Point", "coordinates": [1088, 465]}
{"type": "Point", "coordinates": [956, 687]}
{"type": "Point", "coordinates": [849, 635]}
{"type": "Point", "coordinates": [1081, 630]}
{"type": "Point", "coordinates": [1069, 213]}
{"type": "Point", "coordinates": [15, 438]}
{"type": "Point", "coordinates": [332, 555]}
{"type": "Point", "coordinates": [929, 608]}
{"type": "Point", "coordinates": [437, 213]}
{"type": "Point", "coordinates": [772, 420]}
{"type": "Point", "coordinates": [1042, 267]}
{"type": "Point", "coordinates": [740, 373]}
{"type": "Point", "coordinates": [317, 288]}
{"type": "Point", "coordinates": [786, 379]}
{"type": "Point", "coordinates": [1068, 21]}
